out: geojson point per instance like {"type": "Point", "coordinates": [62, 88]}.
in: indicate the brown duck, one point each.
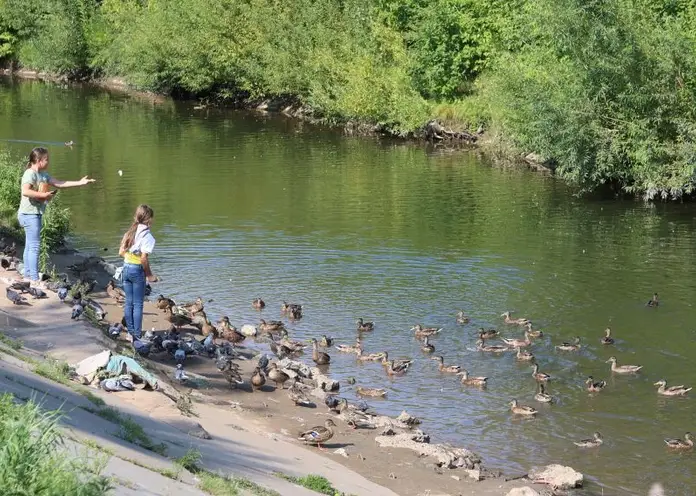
{"type": "Point", "coordinates": [277, 375]}
{"type": "Point", "coordinates": [258, 304]}
{"type": "Point", "coordinates": [229, 332]}
{"type": "Point", "coordinates": [116, 293]}
{"type": "Point", "coordinates": [257, 379]}
{"type": "Point", "coordinates": [319, 357]}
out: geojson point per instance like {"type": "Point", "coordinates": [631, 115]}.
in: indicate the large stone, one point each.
{"type": "Point", "coordinates": [324, 382]}
{"type": "Point", "coordinates": [522, 491]}
{"type": "Point", "coordinates": [557, 476]}
{"type": "Point", "coordinates": [298, 367]}
{"type": "Point", "coordinates": [447, 456]}
{"type": "Point", "coordinates": [249, 330]}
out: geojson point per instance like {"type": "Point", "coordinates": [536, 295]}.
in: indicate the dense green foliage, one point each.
{"type": "Point", "coordinates": [30, 458]}
{"type": "Point", "coordinates": [603, 88]}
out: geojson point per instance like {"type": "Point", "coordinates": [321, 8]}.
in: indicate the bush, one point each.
{"type": "Point", "coordinates": [31, 458]}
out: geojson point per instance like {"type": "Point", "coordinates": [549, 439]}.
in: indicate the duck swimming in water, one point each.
{"type": "Point", "coordinates": [451, 369]}
{"type": "Point", "coordinates": [653, 302]}
{"type": "Point", "coordinates": [607, 339]}
{"type": "Point", "coordinates": [679, 444]}
{"type": "Point", "coordinates": [509, 320]}
{"type": "Point", "coordinates": [365, 326]}
{"type": "Point", "coordinates": [518, 409]}
{"type": "Point", "coordinates": [595, 387]}
{"type": "Point", "coordinates": [672, 390]}
{"type": "Point", "coordinates": [427, 347]}
{"type": "Point", "coordinates": [462, 318]}
{"type": "Point", "coordinates": [595, 442]}
{"type": "Point", "coordinates": [623, 369]}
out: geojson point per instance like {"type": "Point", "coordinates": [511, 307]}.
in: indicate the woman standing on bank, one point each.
{"type": "Point", "coordinates": [136, 246]}
{"type": "Point", "coordinates": [35, 197]}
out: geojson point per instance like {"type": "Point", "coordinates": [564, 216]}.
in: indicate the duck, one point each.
{"type": "Point", "coordinates": [335, 404]}
{"type": "Point", "coordinates": [193, 308]}
{"type": "Point", "coordinates": [672, 390]}
{"type": "Point", "coordinates": [176, 319]}
{"type": "Point", "coordinates": [422, 332]}
{"type": "Point", "coordinates": [607, 339]}
{"type": "Point", "coordinates": [595, 387]}
{"type": "Point", "coordinates": [292, 346]}
{"type": "Point", "coordinates": [518, 409]}
{"type": "Point", "coordinates": [542, 396]}
{"type": "Point", "coordinates": [524, 355]}
{"type": "Point", "coordinates": [472, 381]}
{"type": "Point", "coordinates": [395, 369]}
{"type": "Point", "coordinates": [290, 307]}
{"type": "Point", "coordinates": [487, 334]}
{"type": "Point", "coordinates": [534, 333]}
{"type": "Point", "coordinates": [318, 435]}
{"type": "Point", "coordinates": [371, 392]}
{"type": "Point", "coordinates": [69, 143]}
{"type": "Point", "coordinates": [365, 326]}
{"type": "Point", "coordinates": [491, 348]}
{"type": "Point", "coordinates": [372, 357]}
{"type": "Point", "coordinates": [229, 332]}
{"type": "Point", "coordinates": [427, 347]}
{"type": "Point", "coordinates": [277, 375]}
{"type": "Point", "coordinates": [257, 379]}
{"type": "Point", "coordinates": [230, 371]}
{"type": "Point", "coordinates": [207, 328]}
{"type": "Point", "coordinates": [462, 318]}
{"type": "Point", "coordinates": [116, 293]}
{"type": "Point", "coordinates": [595, 442]}
{"type": "Point", "coordinates": [258, 304]}
{"type": "Point", "coordinates": [319, 357]}
{"type": "Point", "coordinates": [346, 348]}
{"type": "Point", "coordinates": [653, 302]}
{"type": "Point", "coordinates": [681, 444]}
{"type": "Point", "coordinates": [271, 326]}
{"type": "Point", "coordinates": [297, 395]}
{"type": "Point", "coordinates": [509, 320]}
{"type": "Point", "coordinates": [540, 376]}
{"type": "Point", "coordinates": [396, 364]}
{"type": "Point", "coordinates": [326, 341]}
{"type": "Point", "coordinates": [451, 369]}
{"type": "Point", "coordinates": [518, 343]}
{"type": "Point", "coordinates": [575, 346]}
{"type": "Point", "coordinates": [623, 369]}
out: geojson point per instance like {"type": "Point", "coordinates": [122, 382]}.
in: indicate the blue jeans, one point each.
{"type": "Point", "coordinates": [134, 286]}
{"type": "Point", "coordinates": [32, 231]}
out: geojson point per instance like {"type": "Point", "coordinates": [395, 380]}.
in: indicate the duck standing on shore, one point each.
{"type": "Point", "coordinates": [318, 435]}
{"type": "Point", "coordinates": [277, 375]}
{"type": "Point", "coordinates": [257, 379]}
{"type": "Point", "coordinates": [117, 294]}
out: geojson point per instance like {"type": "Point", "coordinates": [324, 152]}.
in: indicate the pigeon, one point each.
{"type": "Point", "coordinates": [179, 373]}
{"type": "Point", "coordinates": [115, 330]}
{"type": "Point", "coordinates": [180, 355]}
{"type": "Point", "coordinates": [62, 293]}
{"type": "Point", "coordinates": [209, 345]}
{"type": "Point", "coordinates": [37, 293]}
{"type": "Point", "coordinates": [148, 289]}
{"type": "Point", "coordinates": [14, 296]}
{"type": "Point", "coordinates": [263, 362]}
{"type": "Point", "coordinates": [77, 310]}
{"type": "Point", "coordinates": [142, 348]}
{"type": "Point", "coordinates": [77, 298]}
{"type": "Point", "coordinates": [22, 286]}
{"type": "Point", "coordinates": [5, 263]}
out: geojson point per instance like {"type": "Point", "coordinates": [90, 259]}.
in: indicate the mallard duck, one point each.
{"type": "Point", "coordinates": [365, 326]}
{"type": "Point", "coordinates": [371, 392]}
{"type": "Point", "coordinates": [230, 372]}
{"type": "Point", "coordinates": [595, 442]}
{"type": "Point", "coordinates": [176, 319]}
{"type": "Point", "coordinates": [595, 387]}
{"type": "Point", "coordinates": [116, 293]}
{"type": "Point", "coordinates": [422, 332]}
{"type": "Point", "coordinates": [395, 369]}
{"type": "Point", "coordinates": [297, 395]}
{"type": "Point", "coordinates": [427, 347]}
{"type": "Point", "coordinates": [319, 357]}
{"type": "Point", "coordinates": [258, 304]}
{"type": "Point", "coordinates": [257, 379]}
{"type": "Point", "coordinates": [541, 396]}
{"type": "Point", "coordinates": [193, 308]}
{"type": "Point", "coordinates": [462, 318]}
{"type": "Point", "coordinates": [607, 339]}
{"type": "Point", "coordinates": [326, 341]}
{"type": "Point", "coordinates": [450, 369]}
{"type": "Point", "coordinates": [509, 320]}
{"type": "Point", "coordinates": [289, 307]}
{"type": "Point", "coordinates": [491, 348]}
{"type": "Point", "coordinates": [524, 356]}
{"type": "Point", "coordinates": [208, 328]}
{"type": "Point", "coordinates": [295, 313]}
{"type": "Point", "coordinates": [271, 326]}
{"type": "Point", "coordinates": [672, 390]}
{"type": "Point", "coordinates": [518, 343]}
{"type": "Point", "coordinates": [487, 334]}
{"type": "Point", "coordinates": [358, 419]}
{"type": "Point", "coordinates": [623, 369]}
{"type": "Point", "coordinates": [164, 303]}
{"type": "Point", "coordinates": [229, 332]}
{"type": "Point", "coordinates": [318, 435]}
{"type": "Point", "coordinates": [472, 381]}
{"type": "Point", "coordinates": [69, 143]}
{"type": "Point", "coordinates": [372, 357]}
{"type": "Point", "coordinates": [292, 346]}
{"type": "Point", "coordinates": [277, 375]}
{"type": "Point", "coordinates": [682, 444]}
{"type": "Point", "coordinates": [346, 348]}
{"type": "Point", "coordinates": [575, 346]}
{"type": "Point", "coordinates": [540, 376]}
{"type": "Point", "coordinates": [397, 364]}
{"type": "Point", "coordinates": [518, 409]}
{"type": "Point", "coordinates": [653, 302]}
{"type": "Point", "coordinates": [534, 333]}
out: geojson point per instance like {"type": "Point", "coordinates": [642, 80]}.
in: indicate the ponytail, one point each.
{"type": "Point", "coordinates": [36, 155]}
{"type": "Point", "coordinates": [143, 215]}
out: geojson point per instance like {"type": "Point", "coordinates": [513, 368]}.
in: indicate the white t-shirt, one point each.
{"type": "Point", "coordinates": [144, 241]}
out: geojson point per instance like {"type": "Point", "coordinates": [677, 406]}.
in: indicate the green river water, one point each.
{"type": "Point", "coordinates": [249, 205]}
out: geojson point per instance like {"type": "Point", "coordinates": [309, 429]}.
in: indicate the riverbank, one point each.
{"type": "Point", "coordinates": [266, 419]}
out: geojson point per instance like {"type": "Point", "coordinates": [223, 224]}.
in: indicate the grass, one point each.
{"type": "Point", "coordinates": [31, 462]}
{"type": "Point", "coordinates": [219, 485]}
{"type": "Point", "coordinates": [130, 430]}
{"type": "Point", "coordinates": [13, 343]}
{"type": "Point", "coordinates": [190, 461]}
{"type": "Point", "coordinates": [316, 483]}
{"type": "Point", "coordinates": [55, 370]}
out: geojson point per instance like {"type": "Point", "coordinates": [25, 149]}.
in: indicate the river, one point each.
{"type": "Point", "coordinates": [250, 205]}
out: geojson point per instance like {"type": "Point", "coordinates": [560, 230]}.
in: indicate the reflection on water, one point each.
{"type": "Point", "coordinates": [251, 206]}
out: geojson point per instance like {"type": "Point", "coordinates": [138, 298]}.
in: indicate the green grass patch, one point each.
{"type": "Point", "coordinates": [15, 344]}
{"type": "Point", "coordinates": [190, 461]}
{"type": "Point", "coordinates": [55, 370]}
{"type": "Point", "coordinates": [31, 461]}
{"type": "Point", "coordinates": [316, 483]}
{"type": "Point", "coordinates": [219, 485]}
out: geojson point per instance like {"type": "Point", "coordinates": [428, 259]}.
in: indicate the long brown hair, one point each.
{"type": "Point", "coordinates": [36, 155]}
{"type": "Point", "coordinates": [143, 215]}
